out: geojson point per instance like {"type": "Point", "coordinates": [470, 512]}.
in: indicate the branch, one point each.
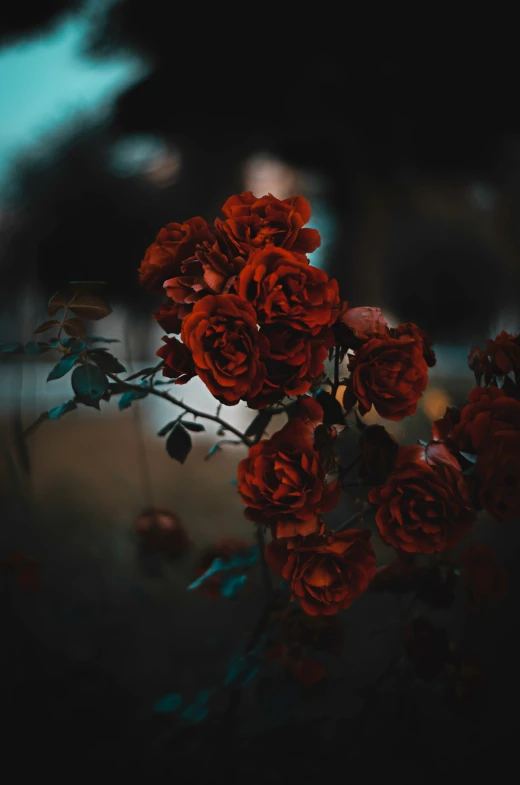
{"type": "Point", "coordinates": [167, 397]}
{"type": "Point", "coordinates": [353, 518]}
{"type": "Point", "coordinates": [36, 424]}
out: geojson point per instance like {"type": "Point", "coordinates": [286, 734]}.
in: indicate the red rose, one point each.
{"type": "Point", "coordinates": [162, 530]}
{"type": "Point", "coordinates": [169, 317]}
{"type": "Point", "coordinates": [283, 287]}
{"type": "Point", "coordinates": [411, 329]}
{"type": "Point", "coordinates": [356, 325]}
{"type": "Point", "coordinates": [294, 360]}
{"type": "Point", "coordinates": [423, 506]}
{"type": "Point", "coordinates": [254, 223]}
{"type": "Point", "coordinates": [389, 374]}
{"type": "Point", "coordinates": [489, 428]}
{"type": "Point", "coordinates": [326, 573]}
{"type": "Point", "coordinates": [173, 245]}
{"type": "Point", "coordinates": [208, 271]}
{"type": "Point", "coordinates": [178, 363]}
{"type": "Point", "coordinates": [482, 575]}
{"type": "Point", "coordinates": [503, 354]}
{"type": "Point", "coordinates": [227, 349]}
{"type": "Point", "coordinates": [223, 549]}
{"type": "Point", "coordinates": [282, 482]}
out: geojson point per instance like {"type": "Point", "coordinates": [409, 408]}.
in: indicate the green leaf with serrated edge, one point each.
{"type": "Point", "coordinates": [129, 397]}
{"type": "Point", "coordinates": [211, 453]}
{"type": "Point", "coordinates": [74, 327]}
{"type": "Point", "coordinates": [106, 361]}
{"type": "Point", "coordinates": [64, 366]}
{"type": "Point", "coordinates": [178, 443]}
{"type": "Point", "coordinates": [232, 585]}
{"type": "Point", "coordinates": [74, 344]}
{"type": "Point", "coordinates": [167, 428]}
{"type": "Point", "coordinates": [58, 411]}
{"type": "Point", "coordinates": [196, 427]}
{"type": "Point", "coordinates": [35, 348]}
{"type": "Point", "coordinates": [89, 306]}
{"type": "Point", "coordinates": [88, 381]}
{"type": "Point", "coordinates": [47, 326]}
{"type": "Point", "coordinates": [58, 301]}
{"type": "Point", "coordinates": [101, 340]}
{"type": "Point", "coordinates": [11, 348]}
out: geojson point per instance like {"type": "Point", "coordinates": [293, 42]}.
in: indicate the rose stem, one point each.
{"type": "Point", "coordinates": [353, 519]}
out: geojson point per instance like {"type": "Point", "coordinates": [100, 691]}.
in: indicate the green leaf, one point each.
{"type": "Point", "coordinates": [101, 340]}
{"type": "Point", "coordinates": [58, 301]}
{"type": "Point", "coordinates": [242, 670]}
{"type": "Point", "coordinates": [332, 411]}
{"type": "Point", "coordinates": [36, 348]}
{"type": "Point", "coordinates": [74, 344]}
{"type": "Point", "coordinates": [241, 560]}
{"type": "Point", "coordinates": [232, 585]}
{"type": "Point", "coordinates": [129, 397]}
{"type": "Point", "coordinates": [89, 382]}
{"type": "Point", "coordinates": [178, 444]}
{"type": "Point", "coordinates": [106, 361]}
{"type": "Point", "coordinates": [11, 348]}
{"type": "Point", "coordinates": [64, 366]}
{"type": "Point", "coordinates": [196, 427]}
{"type": "Point", "coordinates": [58, 411]}
{"type": "Point", "coordinates": [89, 306]}
{"type": "Point", "coordinates": [259, 424]}
{"type": "Point", "coordinates": [216, 448]}
{"type": "Point", "coordinates": [167, 428]}
{"type": "Point", "coordinates": [198, 710]}
{"type": "Point", "coordinates": [74, 327]}
{"type": "Point", "coordinates": [47, 326]}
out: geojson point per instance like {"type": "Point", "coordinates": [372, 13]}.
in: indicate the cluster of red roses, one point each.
{"type": "Point", "coordinates": [284, 485]}
{"type": "Point", "coordinates": [253, 314]}
{"type": "Point", "coordinates": [257, 321]}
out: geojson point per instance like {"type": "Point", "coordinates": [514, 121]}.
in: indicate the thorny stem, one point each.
{"type": "Point", "coordinates": [353, 518]}
{"type": "Point", "coordinates": [189, 409]}
{"type": "Point", "coordinates": [167, 397]}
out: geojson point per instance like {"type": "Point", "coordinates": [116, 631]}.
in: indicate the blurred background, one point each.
{"type": "Point", "coordinates": [118, 117]}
